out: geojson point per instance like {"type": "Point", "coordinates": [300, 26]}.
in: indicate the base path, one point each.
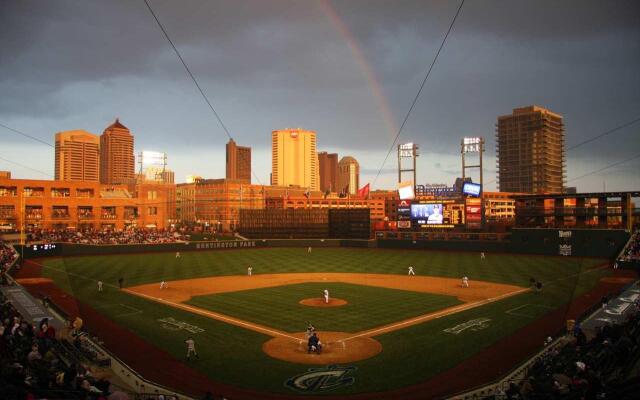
{"type": "Point", "coordinates": [183, 290]}
{"type": "Point", "coordinates": [341, 347]}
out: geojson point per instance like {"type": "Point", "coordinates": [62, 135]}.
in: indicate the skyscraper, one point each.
{"type": "Point", "coordinates": [348, 175]}
{"type": "Point", "coordinates": [328, 166]}
{"type": "Point", "coordinates": [531, 152]}
{"type": "Point", "coordinates": [294, 158]}
{"type": "Point", "coordinates": [77, 156]}
{"type": "Point", "coordinates": [117, 161]}
{"type": "Point", "coordinates": [238, 162]}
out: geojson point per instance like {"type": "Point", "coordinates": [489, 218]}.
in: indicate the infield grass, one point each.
{"type": "Point", "coordinates": [367, 307]}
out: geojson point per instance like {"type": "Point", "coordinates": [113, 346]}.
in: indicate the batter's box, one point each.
{"type": "Point", "coordinates": [528, 310]}
{"type": "Point", "coordinates": [127, 310]}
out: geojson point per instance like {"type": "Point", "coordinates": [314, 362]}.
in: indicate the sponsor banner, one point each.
{"type": "Point", "coordinates": [225, 244]}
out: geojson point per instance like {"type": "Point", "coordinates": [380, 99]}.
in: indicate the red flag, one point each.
{"type": "Point", "coordinates": [363, 192]}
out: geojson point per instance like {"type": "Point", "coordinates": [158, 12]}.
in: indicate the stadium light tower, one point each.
{"type": "Point", "coordinates": [407, 150]}
{"type": "Point", "coordinates": [471, 145]}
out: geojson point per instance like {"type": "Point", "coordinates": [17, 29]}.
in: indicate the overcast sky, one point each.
{"type": "Point", "coordinates": [347, 69]}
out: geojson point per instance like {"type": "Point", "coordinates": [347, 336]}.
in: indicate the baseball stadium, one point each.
{"type": "Point", "coordinates": [301, 262]}
{"type": "Point", "coordinates": [404, 315]}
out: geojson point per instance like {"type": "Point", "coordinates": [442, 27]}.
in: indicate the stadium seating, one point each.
{"type": "Point", "coordinates": [34, 363]}
{"type": "Point", "coordinates": [604, 367]}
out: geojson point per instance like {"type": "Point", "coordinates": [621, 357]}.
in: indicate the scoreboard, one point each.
{"type": "Point", "coordinates": [440, 214]}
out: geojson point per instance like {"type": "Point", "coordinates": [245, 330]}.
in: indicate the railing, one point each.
{"type": "Point", "coordinates": [108, 216]}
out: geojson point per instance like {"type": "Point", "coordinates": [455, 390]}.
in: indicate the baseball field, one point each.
{"type": "Point", "coordinates": [382, 329]}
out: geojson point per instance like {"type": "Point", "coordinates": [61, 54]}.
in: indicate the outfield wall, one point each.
{"type": "Point", "coordinates": [552, 242]}
{"type": "Point", "coordinates": [73, 249]}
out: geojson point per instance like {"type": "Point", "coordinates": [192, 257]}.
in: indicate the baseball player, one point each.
{"type": "Point", "coordinates": [465, 281]}
{"type": "Point", "coordinates": [482, 255]}
{"type": "Point", "coordinates": [310, 330]}
{"type": "Point", "coordinates": [191, 348]}
{"type": "Point", "coordinates": [164, 285]}
{"type": "Point", "coordinates": [249, 270]}
{"type": "Point", "coordinates": [100, 286]}
{"type": "Point", "coordinates": [309, 250]}
{"type": "Point", "coordinates": [177, 254]}
{"type": "Point", "coordinates": [411, 270]}
{"type": "Point", "coordinates": [326, 296]}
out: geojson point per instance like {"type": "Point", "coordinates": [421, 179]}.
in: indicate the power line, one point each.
{"type": "Point", "coordinates": [25, 135]}
{"type": "Point", "coordinates": [605, 133]}
{"type": "Point", "coordinates": [193, 78]}
{"type": "Point", "coordinates": [415, 100]}
{"type": "Point", "coordinates": [610, 131]}
{"type": "Point", "coordinates": [605, 168]}
{"type": "Point", "coordinates": [27, 167]}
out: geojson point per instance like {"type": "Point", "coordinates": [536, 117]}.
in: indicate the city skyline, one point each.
{"type": "Point", "coordinates": [363, 69]}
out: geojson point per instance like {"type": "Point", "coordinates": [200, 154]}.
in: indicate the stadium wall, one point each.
{"type": "Point", "coordinates": [72, 249]}
{"type": "Point", "coordinates": [552, 242]}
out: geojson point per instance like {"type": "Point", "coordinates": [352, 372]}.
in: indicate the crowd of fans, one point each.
{"type": "Point", "coordinates": [632, 251]}
{"type": "Point", "coordinates": [7, 256]}
{"type": "Point", "coordinates": [32, 365]}
{"type": "Point", "coordinates": [128, 236]}
{"type": "Point", "coordinates": [600, 368]}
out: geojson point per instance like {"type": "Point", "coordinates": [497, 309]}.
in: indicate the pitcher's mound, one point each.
{"type": "Point", "coordinates": [318, 302]}
{"type": "Point", "coordinates": [334, 349]}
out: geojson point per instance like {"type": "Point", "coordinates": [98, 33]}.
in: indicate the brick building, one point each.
{"type": "Point", "coordinates": [51, 204]}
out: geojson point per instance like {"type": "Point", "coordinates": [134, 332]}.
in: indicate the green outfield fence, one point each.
{"type": "Point", "coordinates": [553, 242]}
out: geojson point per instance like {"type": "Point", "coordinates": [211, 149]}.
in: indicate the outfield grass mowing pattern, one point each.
{"type": "Point", "coordinates": [231, 354]}
{"type": "Point", "coordinates": [368, 306]}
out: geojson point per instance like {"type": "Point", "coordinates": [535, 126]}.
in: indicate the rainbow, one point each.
{"type": "Point", "coordinates": [365, 67]}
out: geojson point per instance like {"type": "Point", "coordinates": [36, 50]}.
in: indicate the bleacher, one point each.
{"type": "Point", "coordinates": [36, 363]}
{"type": "Point", "coordinates": [605, 367]}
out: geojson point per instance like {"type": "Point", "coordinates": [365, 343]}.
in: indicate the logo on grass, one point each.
{"type": "Point", "coordinates": [322, 379]}
{"type": "Point", "coordinates": [172, 324]}
{"type": "Point", "coordinates": [473, 325]}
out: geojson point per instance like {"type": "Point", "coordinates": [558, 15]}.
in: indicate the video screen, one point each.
{"type": "Point", "coordinates": [472, 189]}
{"type": "Point", "coordinates": [430, 214]}
{"type": "Point", "coordinates": [405, 191]}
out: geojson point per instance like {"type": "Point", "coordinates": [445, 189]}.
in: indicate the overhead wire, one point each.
{"type": "Point", "coordinates": [26, 166]}
{"type": "Point", "coordinates": [25, 135]}
{"type": "Point", "coordinates": [193, 78]}
{"type": "Point", "coordinates": [415, 99]}
{"type": "Point", "coordinates": [594, 138]}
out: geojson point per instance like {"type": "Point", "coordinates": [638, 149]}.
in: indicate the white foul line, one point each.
{"type": "Point", "coordinates": [214, 315]}
{"type": "Point", "coordinates": [435, 315]}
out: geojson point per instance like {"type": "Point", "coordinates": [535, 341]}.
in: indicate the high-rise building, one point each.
{"type": "Point", "coordinates": [77, 156]}
{"type": "Point", "coordinates": [328, 166]}
{"type": "Point", "coordinates": [348, 175]}
{"type": "Point", "coordinates": [238, 162]}
{"type": "Point", "coordinates": [294, 158]}
{"type": "Point", "coordinates": [117, 160]}
{"type": "Point", "coordinates": [530, 151]}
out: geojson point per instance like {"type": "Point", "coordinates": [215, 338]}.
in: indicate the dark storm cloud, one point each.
{"type": "Point", "coordinates": [272, 64]}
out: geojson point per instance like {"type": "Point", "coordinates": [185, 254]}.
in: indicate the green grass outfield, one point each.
{"type": "Point", "coordinates": [233, 355]}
